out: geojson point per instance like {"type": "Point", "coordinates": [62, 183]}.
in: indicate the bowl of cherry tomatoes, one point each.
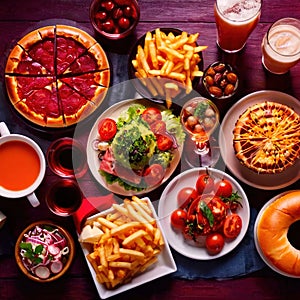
{"type": "Point", "coordinates": [114, 19]}
{"type": "Point", "coordinates": [205, 213]}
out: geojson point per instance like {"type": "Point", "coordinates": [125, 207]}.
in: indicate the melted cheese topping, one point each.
{"type": "Point", "coordinates": [267, 137]}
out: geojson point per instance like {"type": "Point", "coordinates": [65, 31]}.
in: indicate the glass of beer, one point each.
{"type": "Point", "coordinates": [235, 21]}
{"type": "Point", "coordinates": [281, 46]}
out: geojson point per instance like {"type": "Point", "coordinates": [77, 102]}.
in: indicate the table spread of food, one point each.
{"type": "Point", "coordinates": [154, 166]}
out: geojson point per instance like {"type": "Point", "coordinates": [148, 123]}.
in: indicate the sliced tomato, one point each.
{"type": "Point", "coordinates": [158, 127]}
{"type": "Point", "coordinates": [214, 243]}
{"type": "Point", "coordinates": [154, 174]}
{"type": "Point", "coordinates": [178, 219]}
{"type": "Point", "coordinates": [151, 114]}
{"type": "Point", "coordinates": [164, 142]}
{"type": "Point", "coordinates": [232, 226]}
{"type": "Point", "coordinates": [107, 129]}
{"type": "Point", "coordinates": [223, 188]}
{"type": "Point", "coordinates": [204, 184]}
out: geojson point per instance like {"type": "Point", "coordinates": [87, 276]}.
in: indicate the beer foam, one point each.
{"type": "Point", "coordinates": [239, 10]}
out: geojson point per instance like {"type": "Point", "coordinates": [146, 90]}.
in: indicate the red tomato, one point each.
{"type": "Point", "coordinates": [124, 23]}
{"type": "Point", "coordinates": [151, 114]}
{"type": "Point", "coordinates": [214, 243]}
{"type": "Point", "coordinates": [232, 226]}
{"type": "Point", "coordinates": [204, 184]}
{"type": "Point", "coordinates": [186, 196]}
{"type": "Point", "coordinates": [178, 219]}
{"type": "Point", "coordinates": [223, 188]}
{"type": "Point", "coordinates": [158, 127]}
{"type": "Point", "coordinates": [164, 142]}
{"type": "Point", "coordinates": [107, 129]}
{"type": "Point", "coordinates": [154, 174]}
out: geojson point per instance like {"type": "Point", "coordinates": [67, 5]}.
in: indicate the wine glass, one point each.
{"type": "Point", "coordinates": [200, 117]}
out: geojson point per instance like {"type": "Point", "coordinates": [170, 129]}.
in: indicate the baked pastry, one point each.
{"type": "Point", "coordinates": [266, 137]}
{"type": "Point", "coordinates": [272, 230]}
{"type": "Point", "coordinates": [57, 75]}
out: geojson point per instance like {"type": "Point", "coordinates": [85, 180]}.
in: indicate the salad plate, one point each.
{"type": "Point", "coordinates": [261, 181]}
{"type": "Point", "coordinates": [168, 203]}
{"type": "Point", "coordinates": [165, 262]}
{"type": "Point", "coordinates": [117, 186]}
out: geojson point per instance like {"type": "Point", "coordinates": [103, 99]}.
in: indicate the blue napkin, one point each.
{"type": "Point", "coordinates": [243, 260]}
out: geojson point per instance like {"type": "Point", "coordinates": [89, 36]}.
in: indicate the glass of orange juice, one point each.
{"type": "Point", "coordinates": [281, 46]}
{"type": "Point", "coordinates": [235, 21]}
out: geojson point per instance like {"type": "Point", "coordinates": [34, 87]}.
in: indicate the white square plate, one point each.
{"type": "Point", "coordinates": [165, 264]}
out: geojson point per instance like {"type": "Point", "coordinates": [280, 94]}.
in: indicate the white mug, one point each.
{"type": "Point", "coordinates": [28, 192]}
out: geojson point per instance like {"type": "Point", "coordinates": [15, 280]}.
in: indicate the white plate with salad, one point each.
{"type": "Point", "coordinates": [134, 146]}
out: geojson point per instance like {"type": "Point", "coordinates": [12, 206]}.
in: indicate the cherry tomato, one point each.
{"type": "Point", "coordinates": [107, 129]}
{"type": "Point", "coordinates": [204, 184]}
{"type": "Point", "coordinates": [232, 226]}
{"type": "Point", "coordinates": [158, 127]}
{"type": "Point", "coordinates": [124, 23]}
{"type": "Point", "coordinates": [223, 188]}
{"type": "Point", "coordinates": [164, 142]}
{"type": "Point", "coordinates": [214, 243]}
{"type": "Point", "coordinates": [154, 174]}
{"type": "Point", "coordinates": [186, 196]}
{"type": "Point", "coordinates": [128, 11]}
{"type": "Point", "coordinates": [108, 5]}
{"type": "Point", "coordinates": [108, 26]}
{"type": "Point", "coordinates": [151, 114]}
{"type": "Point", "coordinates": [178, 219]}
{"type": "Point", "coordinates": [101, 15]}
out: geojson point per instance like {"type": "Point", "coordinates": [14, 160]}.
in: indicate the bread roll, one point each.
{"type": "Point", "coordinates": [272, 233]}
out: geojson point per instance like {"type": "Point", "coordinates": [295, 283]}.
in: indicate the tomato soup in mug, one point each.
{"type": "Point", "coordinates": [19, 165]}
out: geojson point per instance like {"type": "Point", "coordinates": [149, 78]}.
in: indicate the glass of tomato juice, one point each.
{"type": "Point", "coordinates": [235, 21]}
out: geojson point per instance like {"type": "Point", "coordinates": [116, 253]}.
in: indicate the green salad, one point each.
{"type": "Point", "coordinates": [136, 149]}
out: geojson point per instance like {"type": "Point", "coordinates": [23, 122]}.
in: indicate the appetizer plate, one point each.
{"type": "Point", "coordinates": [263, 257]}
{"type": "Point", "coordinates": [168, 203]}
{"type": "Point", "coordinates": [92, 155]}
{"type": "Point", "coordinates": [164, 266]}
{"type": "Point", "coordinates": [261, 181]}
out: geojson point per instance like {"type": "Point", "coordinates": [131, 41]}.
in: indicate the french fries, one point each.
{"type": "Point", "coordinates": [129, 244]}
{"type": "Point", "coordinates": [171, 58]}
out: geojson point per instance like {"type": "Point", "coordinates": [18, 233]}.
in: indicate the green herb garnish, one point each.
{"type": "Point", "coordinates": [207, 213]}
{"type": "Point", "coordinates": [32, 254]}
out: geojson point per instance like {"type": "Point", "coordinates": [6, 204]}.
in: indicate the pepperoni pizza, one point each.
{"type": "Point", "coordinates": [57, 75]}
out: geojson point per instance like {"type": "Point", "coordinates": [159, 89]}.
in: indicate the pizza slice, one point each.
{"type": "Point", "coordinates": [20, 87]}
{"type": "Point", "coordinates": [19, 62]}
{"type": "Point", "coordinates": [41, 107]}
{"type": "Point", "coordinates": [93, 60]}
{"type": "Point", "coordinates": [40, 46]}
{"type": "Point", "coordinates": [93, 86]}
{"type": "Point", "coordinates": [74, 106]}
{"type": "Point", "coordinates": [71, 43]}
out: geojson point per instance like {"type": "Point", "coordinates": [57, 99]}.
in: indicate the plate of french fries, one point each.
{"type": "Point", "coordinates": [168, 63]}
{"type": "Point", "coordinates": [125, 247]}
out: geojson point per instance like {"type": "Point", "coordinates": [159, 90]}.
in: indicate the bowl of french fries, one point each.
{"type": "Point", "coordinates": [125, 247]}
{"type": "Point", "coordinates": [168, 64]}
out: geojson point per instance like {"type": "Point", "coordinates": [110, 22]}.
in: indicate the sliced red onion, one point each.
{"type": "Point", "coordinates": [56, 266]}
{"type": "Point", "coordinates": [42, 272]}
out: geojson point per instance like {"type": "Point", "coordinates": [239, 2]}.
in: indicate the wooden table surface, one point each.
{"type": "Point", "coordinates": [193, 16]}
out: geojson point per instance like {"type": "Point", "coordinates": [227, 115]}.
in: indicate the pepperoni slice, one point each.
{"type": "Point", "coordinates": [43, 52]}
{"type": "Point", "coordinates": [67, 51]}
{"type": "Point", "coordinates": [27, 85]}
